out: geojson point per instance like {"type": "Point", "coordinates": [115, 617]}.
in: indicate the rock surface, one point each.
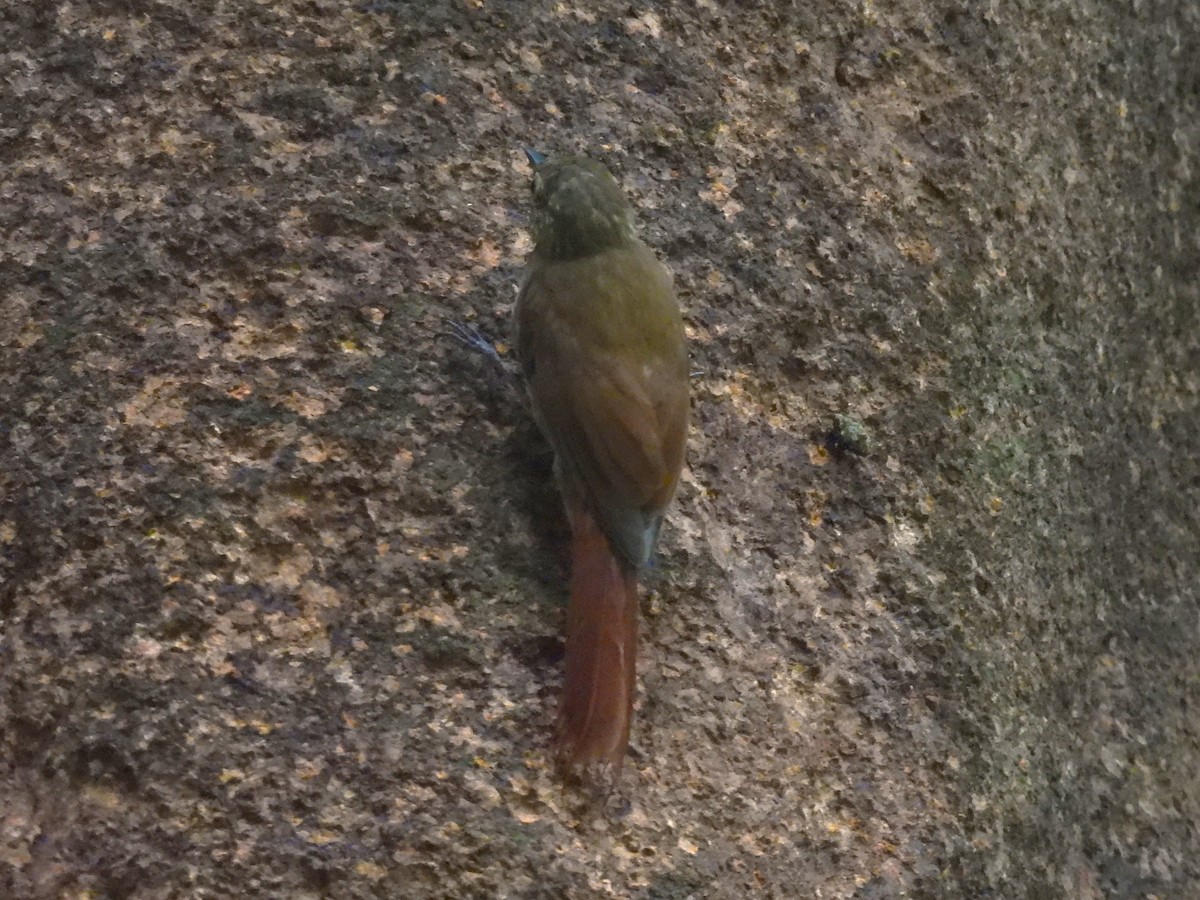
{"type": "Point", "coordinates": [281, 570]}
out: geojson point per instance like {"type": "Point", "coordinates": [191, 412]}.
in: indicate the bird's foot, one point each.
{"type": "Point", "coordinates": [472, 337]}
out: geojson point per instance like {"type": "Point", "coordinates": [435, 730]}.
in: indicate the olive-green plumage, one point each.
{"type": "Point", "coordinates": [601, 344]}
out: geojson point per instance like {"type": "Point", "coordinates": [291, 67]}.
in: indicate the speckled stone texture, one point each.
{"type": "Point", "coordinates": [281, 569]}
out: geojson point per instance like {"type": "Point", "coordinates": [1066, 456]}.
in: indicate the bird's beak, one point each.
{"type": "Point", "coordinates": [535, 158]}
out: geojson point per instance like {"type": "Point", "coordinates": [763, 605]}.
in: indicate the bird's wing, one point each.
{"type": "Point", "coordinates": [613, 404]}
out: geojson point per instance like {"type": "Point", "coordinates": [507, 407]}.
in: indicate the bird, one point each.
{"type": "Point", "coordinates": [603, 355]}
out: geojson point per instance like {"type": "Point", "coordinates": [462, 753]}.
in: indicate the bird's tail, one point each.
{"type": "Point", "coordinates": [597, 703]}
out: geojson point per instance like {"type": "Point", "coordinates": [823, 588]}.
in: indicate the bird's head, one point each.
{"type": "Point", "coordinates": [578, 208]}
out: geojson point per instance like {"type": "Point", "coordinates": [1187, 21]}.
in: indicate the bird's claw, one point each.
{"type": "Point", "coordinates": [472, 337]}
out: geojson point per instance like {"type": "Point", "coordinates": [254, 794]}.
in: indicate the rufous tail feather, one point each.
{"type": "Point", "coordinates": [601, 665]}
